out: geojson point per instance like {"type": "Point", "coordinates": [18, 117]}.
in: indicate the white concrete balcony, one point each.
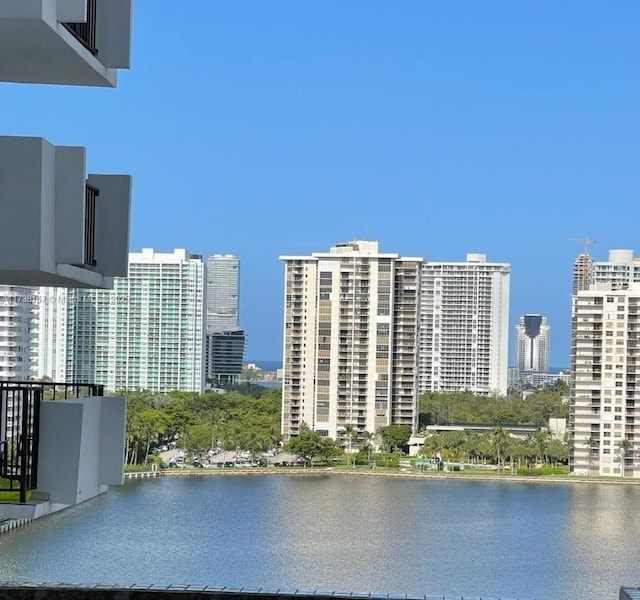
{"type": "Point", "coordinates": [68, 42]}
{"type": "Point", "coordinates": [59, 227]}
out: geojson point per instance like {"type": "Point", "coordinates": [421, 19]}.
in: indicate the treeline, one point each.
{"type": "Point", "coordinates": [497, 447]}
{"type": "Point", "coordinates": [440, 408]}
{"type": "Point", "coordinates": [233, 420]}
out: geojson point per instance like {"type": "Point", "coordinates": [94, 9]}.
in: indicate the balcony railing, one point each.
{"type": "Point", "coordinates": [20, 428]}
{"type": "Point", "coordinates": [19, 419]}
{"type": "Point", "coordinates": [91, 195]}
{"type": "Point", "coordinates": [86, 32]}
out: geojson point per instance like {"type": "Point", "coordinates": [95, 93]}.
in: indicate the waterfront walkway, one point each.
{"type": "Point", "coordinates": [402, 473]}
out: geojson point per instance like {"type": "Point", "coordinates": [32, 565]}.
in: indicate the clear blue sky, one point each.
{"type": "Point", "coordinates": [262, 128]}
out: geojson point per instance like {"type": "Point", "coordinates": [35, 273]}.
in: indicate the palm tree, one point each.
{"type": "Point", "coordinates": [625, 448]}
{"type": "Point", "coordinates": [590, 443]}
{"type": "Point", "coordinates": [367, 439]}
{"type": "Point", "coordinates": [500, 440]}
{"type": "Point", "coordinates": [350, 433]}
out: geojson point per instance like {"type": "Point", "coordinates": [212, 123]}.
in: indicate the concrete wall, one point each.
{"type": "Point", "coordinates": [113, 33]}
{"type": "Point", "coordinates": [69, 205]}
{"type": "Point", "coordinates": [22, 166]}
{"type": "Point", "coordinates": [113, 208]}
{"type": "Point", "coordinates": [112, 441]}
{"type": "Point", "coordinates": [81, 448]}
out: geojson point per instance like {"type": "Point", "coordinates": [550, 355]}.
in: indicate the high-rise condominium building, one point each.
{"type": "Point", "coordinates": [223, 292]}
{"type": "Point", "coordinates": [350, 327]}
{"type": "Point", "coordinates": [605, 356]}
{"type": "Point", "coordinates": [464, 326]}
{"type": "Point", "coordinates": [146, 333]}
{"type": "Point", "coordinates": [532, 344]}
{"type": "Point", "coordinates": [17, 332]}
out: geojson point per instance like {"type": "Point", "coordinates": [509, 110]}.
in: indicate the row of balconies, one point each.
{"type": "Point", "coordinates": [59, 227]}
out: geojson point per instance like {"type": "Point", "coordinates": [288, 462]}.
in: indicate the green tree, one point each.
{"type": "Point", "coordinates": [307, 444]}
{"type": "Point", "coordinates": [394, 437]}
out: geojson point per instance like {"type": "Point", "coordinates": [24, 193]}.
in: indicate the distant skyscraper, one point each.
{"type": "Point", "coordinates": [224, 355]}
{"type": "Point", "coordinates": [532, 344]}
{"type": "Point", "coordinates": [464, 326]}
{"type": "Point", "coordinates": [146, 333]}
{"type": "Point", "coordinates": [350, 327]}
{"type": "Point", "coordinates": [223, 292]}
{"type": "Point", "coordinates": [225, 340]}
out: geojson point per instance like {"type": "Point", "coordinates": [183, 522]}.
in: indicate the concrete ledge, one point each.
{"type": "Point", "coordinates": [30, 510]}
{"type": "Point", "coordinates": [132, 591]}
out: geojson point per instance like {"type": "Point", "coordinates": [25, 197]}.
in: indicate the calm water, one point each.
{"type": "Point", "coordinates": [343, 533]}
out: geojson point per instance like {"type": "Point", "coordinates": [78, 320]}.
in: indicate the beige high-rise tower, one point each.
{"type": "Point", "coordinates": [605, 369]}
{"type": "Point", "coordinates": [350, 340]}
{"type": "Point", "coordinates": [605, 358]}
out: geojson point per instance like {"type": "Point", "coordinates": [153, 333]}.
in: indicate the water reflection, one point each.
{"type": "Point", "coordinates": [343, 533]}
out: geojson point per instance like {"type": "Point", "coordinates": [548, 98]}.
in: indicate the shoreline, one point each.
{"type": "Point", "coordinates": [301, 471]}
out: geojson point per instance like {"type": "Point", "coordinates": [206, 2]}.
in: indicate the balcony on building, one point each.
{"type": "Point", "coordinates": [68, 42]}
{"type": "Point", "coordinates": [60, 444]}
{"type": "Point", "coordinates": [59, 227]}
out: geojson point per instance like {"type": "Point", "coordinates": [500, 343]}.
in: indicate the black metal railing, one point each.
{"type": "Point", "coordinates": [86, 32]}
{"type": "Point", "coordinates": [19, 423]}
{"type": "Point", "coordinates": [91, 195]}
{"type": "Point", "coordinates": [20, 428]}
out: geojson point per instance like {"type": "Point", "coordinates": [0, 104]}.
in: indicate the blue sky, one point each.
{"type": "Point", "coordinates": [437, 128]}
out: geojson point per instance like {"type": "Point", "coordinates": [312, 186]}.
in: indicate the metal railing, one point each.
{"type": "Point", "coordinates": [91, 195]}
{"type": "Point", "coordinates": [86, 32]}
{"type": "Point", "coordinates": [19, 423]}
{"type": "Point", "coordinates": [20, 428]}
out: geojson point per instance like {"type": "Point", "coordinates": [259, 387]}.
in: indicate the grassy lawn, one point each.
{"type": "Point", "coordinates": [10, 496]}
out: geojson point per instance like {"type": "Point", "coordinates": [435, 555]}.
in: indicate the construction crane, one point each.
{"type": "Point", "coordinates": [586, 241]}
{"type": "Point", "coordinates": [582, 265]}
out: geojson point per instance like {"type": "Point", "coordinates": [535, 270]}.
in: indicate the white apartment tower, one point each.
{"type": "Point", "coordinates": [17, 333]}
{"type": "Point", "coordinates": [146, 333]}
{"type": "Point", "coordinates": [532, 344]}
{"type": "Point", "coordinates": [605, 367]}
{"type": "Point", "coordinates": [350, 327]}
{"type": "Point", "coordinates": [464, 326]}
{"type": "Point", "coordinates": [223, 297]}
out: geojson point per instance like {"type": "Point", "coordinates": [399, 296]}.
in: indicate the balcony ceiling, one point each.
{"type": "Point", "coordinates": [67, 276]}
{"type": "Point", "coordinates": [32, 52]}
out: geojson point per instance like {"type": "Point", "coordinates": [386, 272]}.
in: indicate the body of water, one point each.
{"type": "Point", "coordinates": [342, 532]}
